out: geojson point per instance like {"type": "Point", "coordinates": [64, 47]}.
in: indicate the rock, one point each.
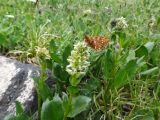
{"type": "Point", "coordinates": [16, 84]}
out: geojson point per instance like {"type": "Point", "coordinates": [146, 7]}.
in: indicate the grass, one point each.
{"type": "Point", "coordinates": [43, 31]}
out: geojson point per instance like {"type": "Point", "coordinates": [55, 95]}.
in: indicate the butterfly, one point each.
{"type": "Point", "coordinates": [97, 42]}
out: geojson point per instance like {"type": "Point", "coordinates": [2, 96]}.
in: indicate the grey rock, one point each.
{"type": "Point", "coordinates": [16, 84]}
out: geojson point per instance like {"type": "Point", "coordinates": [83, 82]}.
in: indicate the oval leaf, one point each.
{"type": "Point", "coordinates": [78, 104]}
{"type": "Point", "coordinates": [149, 46]}
{"type": "Point", "coordinates": [52, 110]}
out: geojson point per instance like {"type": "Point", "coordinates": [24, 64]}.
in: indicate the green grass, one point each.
{"type": "Point", "coordinates": [28, 37]}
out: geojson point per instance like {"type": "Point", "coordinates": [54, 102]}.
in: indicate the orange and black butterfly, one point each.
{"type": "Point", "coordinates": [97, 42]}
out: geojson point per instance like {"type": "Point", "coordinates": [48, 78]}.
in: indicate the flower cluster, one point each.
{"type": "Point", "coordinates": [119, 23]}
{"type": "Point", "coordinates": [78, 60]}
{"type": "Point", "coordinates": [42, 52]}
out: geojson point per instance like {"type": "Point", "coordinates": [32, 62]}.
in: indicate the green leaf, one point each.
{"type": "Point", "coordinates": [52, 110]}
{"type": "Point", "coordinates": [19, 109]}
{"type": "Point", "coordinates": [74, 80]}
{"type": "Point", "coordinates": [49, 64]}
{"type": "Point", "coordinates": [113, 37]}
{"type": "Point", "coordinates": [149, 46]}
{"type": "Point", "coordinates": [72, 90]}
{"type": "Point", "coordinates": [108, 64]}
{"type": "Point", "coordinates": [141, 51]}
{"type": "Point", "coordinates": [143, 114]}
{"type": "Point", "coordinates": [91, 85]}
{"type": "Point", "coordinates": [122, 37]}
{"type": "Point", "coordinates": [147, 72]}
{"type": "Point", "coordinates": [20, 114]}
{"type": "Point", "coordinates": [42, 88]}
{"type": "Point", "coordinates": [78, 104]}
{"type": "Point", "coordinates": [131, 56]}
{"type": "Point", "coordinates": [66, 53]}
{"type": "Point", "coordinates": [55, 57]}
{"type": "Point", "coordinates": [60, 73]}
{"type": "Point", "coordinates": [124, 74]}
{"type": "Point", "coordinates": [53, 46]}
{"type": "Point", "coordinates": [131, 68]}
{"type": "Point", "coordinates": [67, 103]}
{"type": "Point", "coordinates": [53, 52]}
{"type": "Point", "coordinates": [140, 62]}
{"type": "Point", "coordinates": [2, 39]}
{"type": "Point", "coordinates": [45, 91]}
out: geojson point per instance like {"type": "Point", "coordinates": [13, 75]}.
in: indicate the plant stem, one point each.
{"type": "Point", "coordinates": [39, 107]}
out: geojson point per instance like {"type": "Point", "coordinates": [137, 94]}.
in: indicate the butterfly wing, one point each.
{"type": "Point", "coordinates": [101, 42]}
{"type": "Point", "coordinates": [97, 42]}
{"type": "Point", "coordinates": [90, 41]}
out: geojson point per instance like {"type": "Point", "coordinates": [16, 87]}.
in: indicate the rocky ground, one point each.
{"type": "Point", "coordinates": [16, 84]}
